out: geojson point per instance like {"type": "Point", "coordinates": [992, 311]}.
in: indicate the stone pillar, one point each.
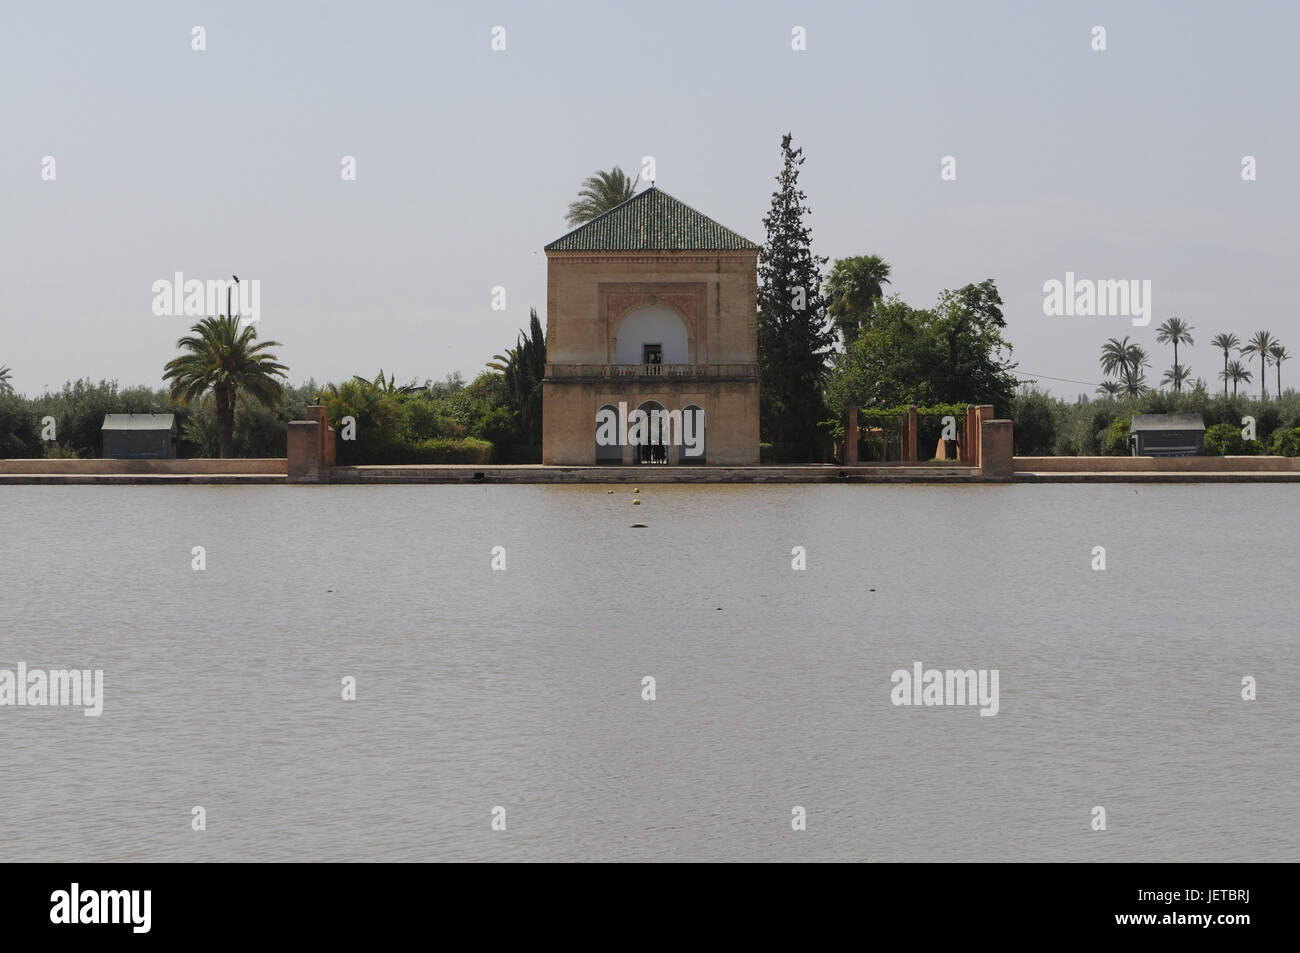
{"type": "Point", "coordinates": [325, 442]}
{"type": "Point", "coordinates": [909, 453]}
{"type": "Point", "coordinates": [966, 451]}
{"type": "Point", "coordinates": [851, 439]}
{"type": "Point", "coordinates": [996, 449]}
{"type": "Point", "coordinates": [303, 462]}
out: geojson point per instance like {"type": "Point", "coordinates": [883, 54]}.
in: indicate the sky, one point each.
{"type": "Point", "coordinates": [1115, 164]}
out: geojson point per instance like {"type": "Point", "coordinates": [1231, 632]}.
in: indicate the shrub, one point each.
{"type": "Point", "coordinates": [1286, 443]}
{"type": "Point", "coordinates": [1116, 443]}
{"type": "Point", "coordinates": [1033, 423]}
{"type": "Point", "coordinates": [1225, 440]}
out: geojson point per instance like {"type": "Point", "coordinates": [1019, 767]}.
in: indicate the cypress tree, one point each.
{"type": "Point", "coordinates": [794, 334]}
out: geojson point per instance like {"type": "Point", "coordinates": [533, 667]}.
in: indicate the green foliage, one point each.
{"type": "Point", "coordinates": [223, 358]}
{"type": "Point", "coordinates": [1225, 440]}
{"type": "Point", "coordinates": [1034, 426]}
{"type": "Point", "coordinates": [600, 192]}
{"type": "Point", "coordinates": [378, 415]}
{"type": "Point", "coordinates": [1286, 443]}
{"type": "Point", "coordinates": [852, 290]}
{"type": "Point", "coordinates": [1116, 442]}
{"type": "Point", "coordinates": [953, 353]}
{"type": "Point", "coordinates": [19, 434]}
{"type": "Point", "coordinates": [794, 335]}
{"type": "Point", "coordinates": [522, 368]}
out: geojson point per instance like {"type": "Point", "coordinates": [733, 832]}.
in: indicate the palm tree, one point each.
{"type": "Point", "coordinates": [388, 385]}
{"type": "Point", "coordinates": [1278, 353]}
{"type": "Point", "coordinates": [524, 367]}
{"type": "Point", "coordinates": [1225, 342]}
{"type": "Point", "coordinates": [1109, 388]}
{"type": "Point", "coordinates": [5, 386]}
{"type": "Point", "coordinates": [1260, 344]}
{"type": "Point", "coordinates": [1237, 373]}
{"type": "Point", "coordinates": [600, 193]}
{"type": "Point", "coordinates": [1175, 376]}
{"type": "Point", "coordinates": [222, 358]}
{"type": "Point", "coordinates": [1175, 331]}
{"type": "Point", "coordinates": [852, 289]}
{"type": "Point", "coordinates": [1128, 359]}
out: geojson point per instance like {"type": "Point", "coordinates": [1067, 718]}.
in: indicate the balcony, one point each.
{"type": "Point", "coordinates": [651, 371]}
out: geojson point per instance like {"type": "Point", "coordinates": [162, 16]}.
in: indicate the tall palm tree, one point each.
{"type": "Point", "coordinates": [1278, 353]}
{"type": "Point", "coordinates": [1225, 342]}
{"type": "Point", "coordinates": [5, 386]}
{"type": "Point", "coordinates": [222, 358]}
{"type": "Point", "coordinates": [1175, 331]}
{"type": "Point", "coordinates": [1237, 373]}
{"type": "Point", "coordinates": [1175, 376]}
{"type": "Point", "coordinates": [600, 193]}
{"type": "Point", "coordinates": [1110, 388]}
{"type": "Point", "coordinates": [1260, 344]}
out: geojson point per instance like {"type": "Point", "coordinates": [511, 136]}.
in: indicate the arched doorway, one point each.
{"type": "Point", "coordinates": [691, 444]}
{"type": "Point", "coordinates": [608, 449]}
{"type": "Point", "coordinates": [649, 431]}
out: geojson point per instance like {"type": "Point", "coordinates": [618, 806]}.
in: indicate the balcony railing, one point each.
{"type": "Point", "coordinates": [636, 371]}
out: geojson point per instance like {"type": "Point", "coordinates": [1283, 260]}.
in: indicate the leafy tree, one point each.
{"type": "Point", "coordinates": [5, 386]}
{"type": "Point", "coordinates": [1260, 344]}
{"type": "Point", "coordinates": [600, 193]}
{"type": "Point", "coordinates": [1175, 331]}
{"type": "Point", "coordinates": [794, 335]}
{"type": "Point", "coordinates": [1033, 422]}
{"type": "Point", "coordinates": [1226, 343]}
{"type": "Point", "coordinates": [852, 290]}
{"type": "Point", "coordinates": [224, 359]}
{"type": "Point", "coordinates": [954, 353]}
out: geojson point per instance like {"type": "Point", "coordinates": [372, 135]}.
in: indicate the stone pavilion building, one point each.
{"type": "Point", "coordinates": [651, 307]}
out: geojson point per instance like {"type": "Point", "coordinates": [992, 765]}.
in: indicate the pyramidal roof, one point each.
{"type": "Point", "coordinates": [651, 221]}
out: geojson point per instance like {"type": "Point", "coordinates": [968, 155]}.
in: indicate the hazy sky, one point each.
{"type": "Point", "coordinates": [1122, 164]}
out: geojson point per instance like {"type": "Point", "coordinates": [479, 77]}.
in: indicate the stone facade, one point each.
{"type": "Point", "coordinates": [630, 326]}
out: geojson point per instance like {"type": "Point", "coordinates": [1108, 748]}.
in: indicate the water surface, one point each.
{"type": "Point", "coordinates": [523, 689]}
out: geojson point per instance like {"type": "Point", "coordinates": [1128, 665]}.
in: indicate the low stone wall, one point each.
{"type": "Point", "coordinates": [1157, 464]}
{"type": "Point", "coordinates": [197, 467]}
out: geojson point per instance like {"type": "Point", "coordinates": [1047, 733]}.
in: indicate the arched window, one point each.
{"type": "Point", "coordinates": [652, 334]}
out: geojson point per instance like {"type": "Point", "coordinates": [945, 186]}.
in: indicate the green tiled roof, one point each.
{"type": "Point", "coordinates": [651, 221]}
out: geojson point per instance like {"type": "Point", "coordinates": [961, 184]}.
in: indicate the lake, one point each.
{"type": "Point", "coordinates": [478, 688]}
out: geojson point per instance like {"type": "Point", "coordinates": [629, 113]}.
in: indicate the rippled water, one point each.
{"type": "Point", "coordinates": [522, 688]}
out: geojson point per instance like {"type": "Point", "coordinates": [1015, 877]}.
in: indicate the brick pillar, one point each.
{"type": "Point", "coordinates": [325, 444]}
{"type": "Point", "coordinates": [303, 462]}
{"type": "Point", "coordinates": [851, 439]}
{"type": "Point", "coordinates": [996, 453]}
{"type": "Point", "coordinates": [910, 453]}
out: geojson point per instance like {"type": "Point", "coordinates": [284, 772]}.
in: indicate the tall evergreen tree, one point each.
{"type": "Point", "coordinates": [794, 335]}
